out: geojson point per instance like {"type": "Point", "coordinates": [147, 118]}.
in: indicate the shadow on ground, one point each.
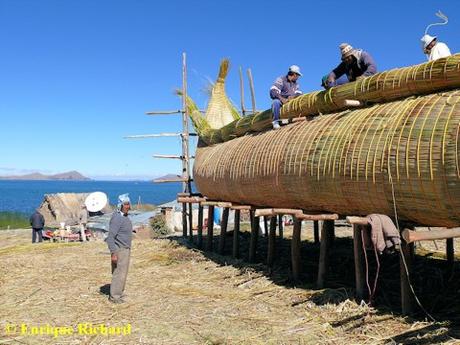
{"type": "Point", "coordinates": [436, 284]}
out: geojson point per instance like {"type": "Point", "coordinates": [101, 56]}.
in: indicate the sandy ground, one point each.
{"type": "Point", "coordinates": [178, 295]}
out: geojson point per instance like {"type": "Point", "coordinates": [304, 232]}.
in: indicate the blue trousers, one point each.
{"type": "Point", "coordinates": [35, 233]}
{"type": "Point", "coordinates": [276, 107]}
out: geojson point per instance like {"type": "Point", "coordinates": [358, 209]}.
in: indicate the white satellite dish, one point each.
{"type": "Point", "coordinates": [96, 201]}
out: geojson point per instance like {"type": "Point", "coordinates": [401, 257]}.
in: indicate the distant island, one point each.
{"type": "Point", "coordinates": [70, 175]}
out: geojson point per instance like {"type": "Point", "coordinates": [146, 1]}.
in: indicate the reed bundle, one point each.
{"type": "Point", "coordinates": [439, 75]}
{"type": "Point", "coordinates": [348, 162]}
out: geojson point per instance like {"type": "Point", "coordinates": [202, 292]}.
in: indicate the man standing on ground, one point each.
{"type": "Point", "coordinates": [37, 221]}
{"type": "Point", "coordinates": [284, 89]}
{"type": "Point", "coordinates": [355, 63]}
{"type": "Point", "coordinates": [119, 243]}
{"type": "Point", "coordinates": [83, 219]}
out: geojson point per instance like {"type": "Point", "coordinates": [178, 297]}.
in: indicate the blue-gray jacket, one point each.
{"type": "Point", "coordinates": [37, 221]}
{"type": "Point", "coordinates": [363, 65]}
{"type": "Point", "coordinates": [282, 87]}
{"type": "Point", "coordinates": [120, 232]}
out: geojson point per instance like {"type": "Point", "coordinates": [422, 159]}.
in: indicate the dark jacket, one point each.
{"type": "Point", "coordinates": [282, 87]}
{"type": "Point", "coordinates": [37, 221]}
{"type": "Point", "coordinates": [120, 232]}
{"type": "Point", "coordinates": [363, 65]}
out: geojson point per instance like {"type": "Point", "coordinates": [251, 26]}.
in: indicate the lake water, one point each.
{"type": "Point", "coordinates": [25, 196]}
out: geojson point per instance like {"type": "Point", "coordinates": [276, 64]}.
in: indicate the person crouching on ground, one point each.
{"type": "Point", "coordinates": [37, 221]}
{"type": "Point", "coordinates": [119, 243]}
{"type": "Point", "coordinates": [355, 63]}
{"type": "Point", "coordinates": [284, 89]}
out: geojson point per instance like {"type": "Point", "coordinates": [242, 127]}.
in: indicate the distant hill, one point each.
{"type": "Point", "coordinates": [70, 175]}
{"type": "Point", "coordinates": [168, 177]}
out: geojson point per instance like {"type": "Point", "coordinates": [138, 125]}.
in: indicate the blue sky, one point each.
{"type": "Point", "coordinates": [76, 76]}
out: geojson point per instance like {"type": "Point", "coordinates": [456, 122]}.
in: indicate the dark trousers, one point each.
{"type": "Point", "coordinates": [35, 233]}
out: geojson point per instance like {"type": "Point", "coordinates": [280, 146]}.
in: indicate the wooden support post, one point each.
{"type": "Point", "coordinates": [265, 226]}
{"type": "Point", "coordinates": [295, 249]}
{"type": "Point", "coordinates": [223, 230]}
{"type": "Point", "coordinates": [280, 226]}
{"type": "Point", "coordinates": [360, 278]}
{"type": "Point", "coordinates": [407, 299]}
{"type": "Point", "coordinates": [236, 235]}
{"type": "Point", "coordinates": [254, 237]}
{"type": "Point", "coordinates": [271, 242]}
{"type": "Point", "coordinates": [200, 227]}
{"type": "Point", "coordinates": [190, 222]}
{"type": "Point", "coordinates": [450, 253]}
{"type": "Point", "coordinates": [210, 233]}
{"type": "Point", "coordinates": [316, 231]}
{"type": "Point", "coordinates": [184, 220]}
{"type": "Point", "coordinates": [327, 231]}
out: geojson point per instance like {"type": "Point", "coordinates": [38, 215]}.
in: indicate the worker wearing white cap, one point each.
{"type": "Point", "coordinates": [119, 243]}
{"type": "Point", "coordinates": [284, 89]}
{"type": "Point", "coordinates": [433, 49]}
{"type": "Point", "coordinates": [355, 63]}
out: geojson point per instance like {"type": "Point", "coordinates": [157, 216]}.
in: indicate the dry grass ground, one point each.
{"type": "Point", "coordinates": [177, 295]}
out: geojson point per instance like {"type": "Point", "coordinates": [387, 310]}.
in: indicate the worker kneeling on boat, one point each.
{"type": "Point", "coordinates": [355, 63]}
{"type": "Point", "coordinates": [119, 243]}
{"type": "Point", "coordinates": [284, 89]}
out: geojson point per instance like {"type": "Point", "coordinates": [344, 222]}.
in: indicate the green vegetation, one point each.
{"type": "Point", "coordinates": [13, 220]}
{"type": "Point", "coordinates": [159, 227]}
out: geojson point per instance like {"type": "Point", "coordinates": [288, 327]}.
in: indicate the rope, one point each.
{"type": "Point", "coordinates": [406, 269]}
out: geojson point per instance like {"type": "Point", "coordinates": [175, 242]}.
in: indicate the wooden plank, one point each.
{"type": "Point", "coordinates": [184, 220]}
{"type": "Point", "coordinates": [360, 278]}
{"type": "Point", "coordinates": [200, 227]}
{"type": "Point", "coordinates": [210, 227]}
{"type": "Point", "coordinates": [316, 231]}
{"type": "Point", "coordinates": [236, 235]}
{"type": "Point", "coordinates": [216, 203]}
{"type": "Point", "coordinates": [183, 194]}
{"type": "Point", "coordinates": [450, 252]}
{"type": "Point", "coordinates": [271, 242]}
{"type": "Point", "coordinates": [413, 236]}
{"type": "Point", "coordinates": [254, 237]}
{"type": "Point", "coordinates": [223, 230]}
{"type": "Point", "coordinates": [407, 299]}
{"type": "Point", "coordinates": [241, 207]}
{"type": "Point", "coordinates": [327, 231]}
{"type": "Point", "coordinates": [280, 226]}
{"type": "Point", "coordinates": [190, 223]}
{"type": "Point", "coordinates": [318, 216]}
{"type": "Point", "coordinates": [357, 220]}
{"type": "Point", "coordinates": [190, 199]}
{"type": "Point", "coordinates": [295, 249]}
{"type": "Point", "coordinates": [275, 211]}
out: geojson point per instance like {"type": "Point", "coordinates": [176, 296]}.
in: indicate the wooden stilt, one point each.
{"type": "Point", "coordinates": [254, 237]}
{"type": "Point", "coordinates": [200, 227]}
{"type": "Point", "coordinates": [280, 226]}
{"type": "Point", "coordinates": [223, 230]}
{"type": "Point", "coordinates": [271, 242]}
{"type": "Point", "coordinates": [210, 233]}
{"type": "Point", "coordinates": [407, 300]}
{"type": "Point", "coordinates": [327, 232]}
{"type": "Point", "coordinates": [450, 252]}
{"type": "Point", "coordinates": [190, 222]}
{"type": "Point", "coordinates": [184, 220]}
{"type": "Point", "coordinates": [360, 279]}
{"type": "Point", "coordinates": [316, 231]}
{"type": "Point", "coordinates": [295, 249]}
{"type": "Point", "coordinates": [236, 235]}
{"type": "Point", "coordinates": [265, 226]}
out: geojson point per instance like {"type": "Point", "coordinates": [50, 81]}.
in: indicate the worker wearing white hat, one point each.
{"type": "Point", "coordinates": [433, 49]}
{"type": "Point", "coordinates": [284, 89]}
